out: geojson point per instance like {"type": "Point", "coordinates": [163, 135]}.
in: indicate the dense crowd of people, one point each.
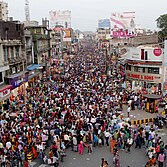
{"type": "Point", "coordinates": [81, 110]}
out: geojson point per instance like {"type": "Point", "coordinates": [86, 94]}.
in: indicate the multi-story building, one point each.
{"type": "Point", "coordinates": [144, 68]}
{"type": "Point", "coordinates": [12, 56]}
{"type": "Point", "coordinates": [102, 33]}
{"type": "Point", "coordinates": [41, 44]}
{"type": "Point", "coordinates": [3, 11]}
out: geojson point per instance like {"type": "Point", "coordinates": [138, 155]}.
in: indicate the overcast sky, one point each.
{"type": "Point", "coordinates": [85, 13]}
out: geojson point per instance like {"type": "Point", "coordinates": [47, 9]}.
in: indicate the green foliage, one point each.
{"type": "Point", "coordinates": [162, 25]}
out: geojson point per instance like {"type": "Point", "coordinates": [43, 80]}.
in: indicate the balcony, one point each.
{"type": "Point", "coordinates": [15, 60]}
{"type": "Point", "coordinates": [40, 36]}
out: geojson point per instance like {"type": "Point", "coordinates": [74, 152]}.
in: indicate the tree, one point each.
{"type": "Point", "coordinates": [162, 25]}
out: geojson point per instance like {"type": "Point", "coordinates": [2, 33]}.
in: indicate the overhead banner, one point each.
{"type": "Point", "coordinates": [60, 18]}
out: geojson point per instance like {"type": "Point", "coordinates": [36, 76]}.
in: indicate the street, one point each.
{"type": "Point", "coordinates": [136, 158]}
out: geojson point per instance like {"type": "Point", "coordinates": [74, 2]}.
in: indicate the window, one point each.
{"type": "Point", "coordinates": [13, 70]}
{"type": "Point", "coordinates": [18, 69]}
{"type": "Point", "coordinates": [142, 54]}
{"type": "Point", "coordinates": [5, 53]}
{"type": "Point", "coordinates": [1, 77]}
{"type": "Point", "coordinates": [38, 30]}
{"type": "Point", "coordinates": [17, 51]}
{"type": "Point", "coordinates": [139, 69]}
{"type": "Point", "coordinates": [11, 52]}
{"type": "Point", "coordinates": [128, 67]}
{"type": "Point", "coordinates": [146, 55]}
{"type": "Point", "coordinates": [153, 70]}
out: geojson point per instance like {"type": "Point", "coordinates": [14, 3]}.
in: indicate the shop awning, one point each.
{"type": "Point", "coordinates": [33, 67]}
{"type": "Point", "coordinates": [16, 75]}
{"type": "Point", "coordinates": [33, 75]}
{"type": "Point", "coordinates": [152, 96]}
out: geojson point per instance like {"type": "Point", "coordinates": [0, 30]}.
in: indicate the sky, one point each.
{"type": "Point", "coordinates": [85, 13]}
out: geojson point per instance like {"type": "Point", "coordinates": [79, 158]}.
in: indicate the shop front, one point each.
{"type": "Point", "coordinates": [150, 82]}
{"type": "Point", "coordinates": [5, 94]}
{"type": "Point", "coordinates": [18, 83]}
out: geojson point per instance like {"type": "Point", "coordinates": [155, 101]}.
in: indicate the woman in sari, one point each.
{"type": "Point", "coordinates": [34, 150]}
{"type": "Point", "coordinates": [112, 144]}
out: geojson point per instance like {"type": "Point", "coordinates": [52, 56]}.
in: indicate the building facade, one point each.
{"type": "Point", "coordinates": [41, 44]}
{"type": "Point", "coordinates": [144, 68]}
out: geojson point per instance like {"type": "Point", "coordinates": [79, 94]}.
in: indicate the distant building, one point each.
{"type": "Point", "coordinates": [3, 11]}
{"type": "Point", "coordinates": [31, 23]}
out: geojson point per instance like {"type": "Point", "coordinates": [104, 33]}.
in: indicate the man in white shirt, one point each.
{"type": "Point", "coordinates": [129, 142]}
{"type": "Point", "coordinates": [128, 110]}
{"type": "Point", "coordinates": [107, 136]}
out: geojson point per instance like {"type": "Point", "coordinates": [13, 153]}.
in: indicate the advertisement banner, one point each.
{"type": "Point", "coordinates": [18, 81]}
{"type": "Point", "coordinates": [104, 23]}
{"type": "Point", "coordinates": [66, 35]}
{"type": "Point", "coordinates": [60, 18]}
{"type": "Point", "coordinates": [123, 22]}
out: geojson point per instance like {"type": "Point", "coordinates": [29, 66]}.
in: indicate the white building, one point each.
{"type": "Point", "coordinates": [3, 11]}
{"type": "Point", "coordinates": [144, 68]}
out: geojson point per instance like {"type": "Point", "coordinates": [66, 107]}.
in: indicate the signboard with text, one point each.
{"type": "Point", "coordinates": [123, 24]}
{"type": "Point", "coordinates": [18, 81]}
{"type": "Point", "coordinates": [145, 77]}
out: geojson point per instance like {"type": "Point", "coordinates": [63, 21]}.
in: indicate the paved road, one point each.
{"type": "Point", "coordinates": [136, 158]}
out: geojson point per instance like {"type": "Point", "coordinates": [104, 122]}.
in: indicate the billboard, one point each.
{"type": "Point", "coordinates": [123, 24]}
{"type": "Point", "coordinates": [60, 18]}
{"type": "Point", "coordinates": [67, 35]}
{"type": "Point", "coordinates": [104, 23]}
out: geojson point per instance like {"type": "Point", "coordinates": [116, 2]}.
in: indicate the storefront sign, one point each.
{"type": "Point", "coordinates": [157, 51]}
{"type": "Point", "coordinates": [18, 81]}
{"type": "Point", "coordinates": [141, 77]}
{"type": "Point", "coordinates": [5, 91]}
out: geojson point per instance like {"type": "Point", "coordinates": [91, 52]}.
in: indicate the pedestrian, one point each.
{"type": "Point", "coordinates": [112, 144]}
{"type": "Point", "coordinates": [128, 110]}
{"type": "Point", "coordinates": [161, 159]}
{"type": "Point", "coordinates": [80, 147]}
{"type": "Point", "coordinates": [129, 143]}
{"type": "Point", "coordinates": [138, 141]}
{"type": "Point", "coordinates": [107, 136]}
{"type": "Point", "coordinates": [102, 162]}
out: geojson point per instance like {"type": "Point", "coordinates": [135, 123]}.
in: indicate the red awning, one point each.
{"type": "Point", "coordinates": [4, 87]}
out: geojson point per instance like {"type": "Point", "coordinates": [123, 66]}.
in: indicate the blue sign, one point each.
{"type": "Point", "coordinates": [18, 81]}
{"type": "Point", "coordinates": [104, 23]}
